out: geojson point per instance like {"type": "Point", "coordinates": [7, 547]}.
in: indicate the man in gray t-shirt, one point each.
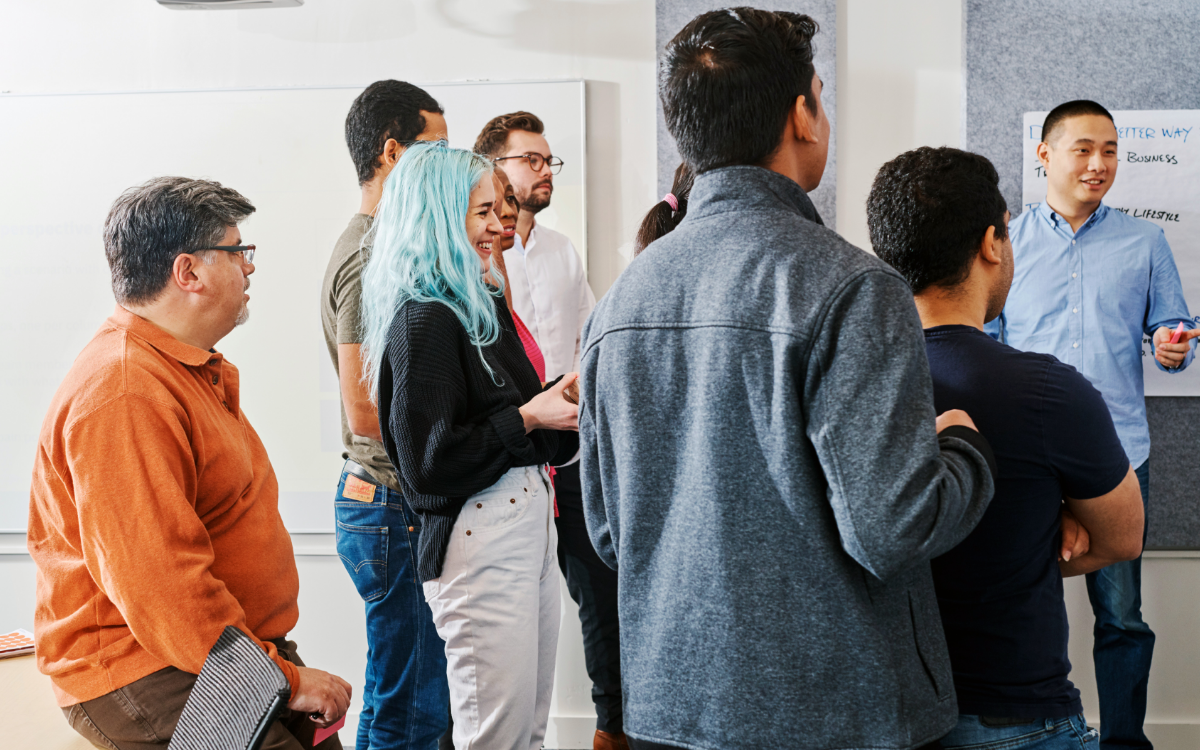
{"type": "Point", "coordinates": [341, 296]}
{"type": "Point", "coordinates": [406, 698]}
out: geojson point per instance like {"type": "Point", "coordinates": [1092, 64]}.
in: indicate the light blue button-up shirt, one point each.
{"type": "Point", "coordinates": [1087, 298]}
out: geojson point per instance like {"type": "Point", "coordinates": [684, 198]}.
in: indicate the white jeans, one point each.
{"type": "Point", "coordinates": [496, 605]}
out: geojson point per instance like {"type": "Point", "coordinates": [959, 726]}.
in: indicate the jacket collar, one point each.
{"type": "Point", "coordinates": [156, 337]}
{"type": "Point", "coordinates": [743, 188]}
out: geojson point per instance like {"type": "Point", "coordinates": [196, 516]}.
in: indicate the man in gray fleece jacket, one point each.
{"type": "Point", "coordinates": [759, 454]}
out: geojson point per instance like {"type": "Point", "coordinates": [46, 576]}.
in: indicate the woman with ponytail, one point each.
{"type": "Point", "coordinates": [667, 213]}
{"type": "Point", "coordinates": [470, 430]}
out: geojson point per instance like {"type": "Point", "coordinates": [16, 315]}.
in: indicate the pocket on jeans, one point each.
{"type": "Point", "coordinates": [492, 510]}
{"type": "Point", "coordinates": [363, 550]}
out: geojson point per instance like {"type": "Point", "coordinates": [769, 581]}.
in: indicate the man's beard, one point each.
{"type": "Point", "coordinates": [535, 204]}
{"type": "Point", "coordinates": [243, 314]}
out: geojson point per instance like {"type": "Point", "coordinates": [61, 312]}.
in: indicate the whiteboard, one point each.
{"type": "Point", "coordinates": [1158, 179]}
{"type": "Point", "coordinates": [65, 158]}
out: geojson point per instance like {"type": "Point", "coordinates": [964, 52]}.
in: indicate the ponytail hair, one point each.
{"type": "Point", "coordinates": [664, 217]}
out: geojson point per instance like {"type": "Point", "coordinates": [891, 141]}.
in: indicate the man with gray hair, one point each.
{"type": "Point", "coordinates": [154, 518]}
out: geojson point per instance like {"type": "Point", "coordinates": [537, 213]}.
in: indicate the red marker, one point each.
{"type": "Point", "coordinates": [1178, 334]}
{"type": "Point", "coordinates": [323, 734]}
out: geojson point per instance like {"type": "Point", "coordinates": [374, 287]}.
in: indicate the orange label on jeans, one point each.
{"type": "Point", "coordinates": [357, 489]}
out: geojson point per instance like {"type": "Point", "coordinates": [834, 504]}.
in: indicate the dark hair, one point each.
{"type": "Point", "coordinates": [728, 81]}
{"type": "Point", "coordinates": [494, 137]}
{"type": "Point", "coordinates": [151, 224]}
{"type": "Point", "coordinates": [385, 109]}
{"type": "Point", "coordinates": [929, 210]}
{"type": "Point", "coordinates": [662, 218]}
{"type": "Point", "coordinates": [1071, 109]}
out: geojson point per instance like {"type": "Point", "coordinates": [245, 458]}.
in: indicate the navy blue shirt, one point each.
{"type": "Point", "coordinates": [1000, 591]}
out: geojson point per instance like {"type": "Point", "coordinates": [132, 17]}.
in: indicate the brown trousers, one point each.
{"type": "Point", "coordinates": [142, 715]}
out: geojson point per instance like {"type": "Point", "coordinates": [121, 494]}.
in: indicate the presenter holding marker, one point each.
{"type": "Point", "coordinates": [1089, 282]}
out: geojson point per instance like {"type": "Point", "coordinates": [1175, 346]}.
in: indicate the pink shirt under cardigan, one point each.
{"type": "Point", "coordinates": [539, 365]}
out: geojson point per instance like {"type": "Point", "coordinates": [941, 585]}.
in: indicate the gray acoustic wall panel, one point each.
{"type": "Point", "coordinates": [673, 15]}
{"type": "Point", "coordinates": [1031, 55]}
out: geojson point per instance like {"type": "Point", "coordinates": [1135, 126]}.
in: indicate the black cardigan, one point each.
{"type": "Point", "coordinates": [450, 430]}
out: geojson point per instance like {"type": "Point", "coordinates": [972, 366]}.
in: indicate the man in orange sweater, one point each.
{"type": "Point", "coordinates": [154, 517]}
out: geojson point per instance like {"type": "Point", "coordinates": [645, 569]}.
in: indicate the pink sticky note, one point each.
{"type": "Point", "coordinates": [329, 731]}
{"type": "Point", "coordinates": [1178, 334]}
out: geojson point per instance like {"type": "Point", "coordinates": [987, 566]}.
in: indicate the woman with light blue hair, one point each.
{"type": "Point", "coordinates": [470, 430]}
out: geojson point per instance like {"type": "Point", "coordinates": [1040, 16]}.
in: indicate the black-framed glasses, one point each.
{"type": "Point", "coordinates": [247, 251]}
{"type": "Point", "coordinates": [537, 160]}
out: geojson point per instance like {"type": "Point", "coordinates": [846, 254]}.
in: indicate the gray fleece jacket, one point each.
{"type": "Point", "coordinates": [760, 465]}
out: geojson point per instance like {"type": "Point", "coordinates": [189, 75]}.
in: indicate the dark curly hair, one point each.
{"type": "Point", "coordinates": [494, 136]}
{"type": "Point", "coordinates": [385, 110]}
{"type": "Point", "coordinates": [929, 210]}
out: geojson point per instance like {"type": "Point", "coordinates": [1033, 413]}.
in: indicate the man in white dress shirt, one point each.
{"type": "Point", "coordinates": [551, 295]}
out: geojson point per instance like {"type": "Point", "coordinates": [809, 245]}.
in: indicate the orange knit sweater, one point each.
{"type": "Point", "coordinates": [153, 516]}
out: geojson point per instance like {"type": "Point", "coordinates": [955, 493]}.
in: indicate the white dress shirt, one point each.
{"type": "Point", "coordinates": [551, 294]}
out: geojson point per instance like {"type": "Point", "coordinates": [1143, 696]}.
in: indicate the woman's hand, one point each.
{"type": "Point", "coordinates": [549, 410]}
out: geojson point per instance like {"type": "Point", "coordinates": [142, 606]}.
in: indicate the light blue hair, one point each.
{"type": "Point", "coordinates": [420, 251]}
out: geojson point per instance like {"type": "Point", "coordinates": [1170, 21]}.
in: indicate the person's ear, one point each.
{"type": "Point", "coordinates": [186, 273]}
{"type": "Point", "coordinates": [392, 151]}
{"type": "Point", "coordinates": [803, 120]}
{"type": "Point", "coordinates": [1043, 154]}
{"type": "Point", "coordinates": [990, 250]}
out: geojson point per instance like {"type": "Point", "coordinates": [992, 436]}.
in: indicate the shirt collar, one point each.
{"type": "Point", "coordinates": [192, 356]}
{"type": "Point", "coordinates": [533, 233]}
{"type": "Point", "coordinates": [1052, 218]}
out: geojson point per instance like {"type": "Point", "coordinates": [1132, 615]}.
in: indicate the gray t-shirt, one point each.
{"type": "Point", "coordinates": [341, 298]}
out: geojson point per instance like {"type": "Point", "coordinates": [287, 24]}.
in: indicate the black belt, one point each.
{"type": "Point", "coordinates": [355, 468]}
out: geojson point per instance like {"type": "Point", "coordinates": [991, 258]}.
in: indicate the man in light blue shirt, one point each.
{"type": "Point", "coordinates": [1089, 281]}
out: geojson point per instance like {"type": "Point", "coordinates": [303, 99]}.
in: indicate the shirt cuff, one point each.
{"type": "Point", "coordinates": [290, 672]}
{"type": "Point", "coordinates": [510, 428]}
{"type": "Point", "coordinates": [976, 441]}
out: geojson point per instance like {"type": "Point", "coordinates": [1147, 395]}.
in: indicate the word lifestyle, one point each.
{"type": "Point", "coordinates": [1148, 213]}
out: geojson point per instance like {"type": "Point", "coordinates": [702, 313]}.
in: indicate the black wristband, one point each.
{"type": "Point", "coordinates": [976, 441]}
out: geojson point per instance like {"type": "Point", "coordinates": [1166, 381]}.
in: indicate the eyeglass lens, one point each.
{"type": "Point", "coordinates": [537, 160]}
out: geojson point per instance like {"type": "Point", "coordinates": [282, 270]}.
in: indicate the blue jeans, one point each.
{"type": "Point", "coordinates": [406, 698]}
{"type": "Point", "coordinates": [1124, 645]}
{"type": "Point", "coordinates": [987, 733]}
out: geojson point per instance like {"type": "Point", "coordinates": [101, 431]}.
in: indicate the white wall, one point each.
{"type": "Point", "coordinates": [899, 83]}
{"type": "Point", "coordinates": [901, 64]}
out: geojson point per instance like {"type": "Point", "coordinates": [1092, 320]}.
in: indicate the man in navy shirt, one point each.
{"type": "Point", "coordinates": [938, 217]}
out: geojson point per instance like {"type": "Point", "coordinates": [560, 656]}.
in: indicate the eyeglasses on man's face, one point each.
{"type": "Point", "coordinates": [247, 251]}
{"type": "Point", "coordinates": [537, 160]}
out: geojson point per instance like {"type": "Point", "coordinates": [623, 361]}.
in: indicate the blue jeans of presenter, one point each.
{"type": "Point", "coordinates": [987, 733]}
{"type": "Point", "coordinates": [1124, 645]}
{"type": "Point", "coordinates": [406, 697]}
